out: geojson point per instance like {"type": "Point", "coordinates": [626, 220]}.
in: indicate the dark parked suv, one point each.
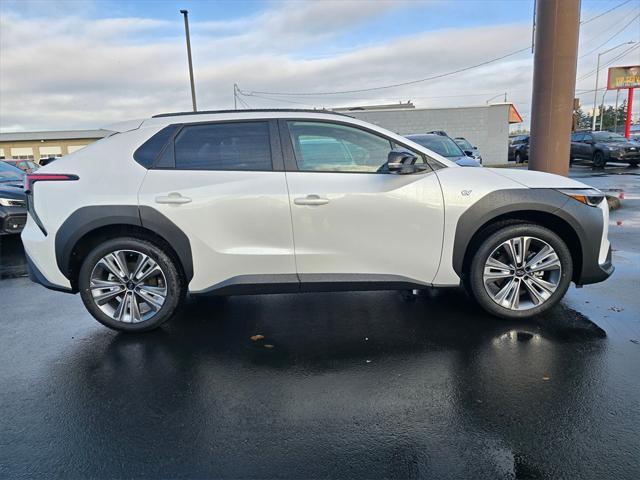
{"type": "Point", "coordinates": [603, 147]}
{"type": "Point", "coordinates": [519, 148]}
{"type": "Point", "coordinates": [13, 210]}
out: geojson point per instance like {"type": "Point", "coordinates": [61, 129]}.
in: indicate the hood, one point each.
{"type": "Point", "coordinates": [466, 161]}
{"type": "Point", "coordinates": [533, 179]}
{"type": "Point", "coordinates": [626, 144]}
{"type": "Point", "coordinates": [13, 191]}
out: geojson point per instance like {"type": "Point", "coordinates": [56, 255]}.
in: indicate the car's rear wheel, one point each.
{"type": "Point", "coordinates": [130, 284]}
{"type": "Point", "coordinates": [598, 160]}
{"type": "Point", "coordinates": [518, 157]}
{"type": "Point", "coordinates": [520, 270]}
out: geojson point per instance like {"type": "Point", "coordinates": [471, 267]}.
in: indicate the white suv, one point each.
{"type": "Point", "coordinates": [281, 201]}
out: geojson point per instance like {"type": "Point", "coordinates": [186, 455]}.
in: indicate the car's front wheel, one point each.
{"type": "Point", "coordinates": [599, 160]}
{"type": "Point", "coordinates": [130, 284]}
{"type": "Point", "coordinates": [520, 270]}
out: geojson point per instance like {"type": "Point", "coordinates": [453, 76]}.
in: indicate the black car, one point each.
{"type": "Point", "coordinates": [445, 146]}
{"type": "Point", "coordinates": [603, 147]}
{"type": "Point", "coordinates": [519, 148]}
{"type": "Point", "coordinates": [13, 208]}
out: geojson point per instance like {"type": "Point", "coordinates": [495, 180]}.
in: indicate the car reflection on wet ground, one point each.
{"type": "Point", "coordinates": [342, 385]}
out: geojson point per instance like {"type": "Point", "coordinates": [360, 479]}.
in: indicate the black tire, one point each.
{"type": "Point", "coordinates": [518, 157]}
{"type": "Point", "coordinates": [174, 283]}
{"type": "Point", "coordinates": [599, 160]}
{"type": "Point", "coordinates": [491, 242]}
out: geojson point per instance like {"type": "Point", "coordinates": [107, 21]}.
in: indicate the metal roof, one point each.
{"type": "Point", "coordinates": [54, 135]}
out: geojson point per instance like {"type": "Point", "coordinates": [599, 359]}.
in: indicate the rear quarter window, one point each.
{"type": "Point", "coordinates": [150, 150]}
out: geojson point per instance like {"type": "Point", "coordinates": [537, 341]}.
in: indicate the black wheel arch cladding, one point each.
{"type": "Point", "coordinates": [87, 219]}
{"type": "Point", "coordinates": [585, 221]}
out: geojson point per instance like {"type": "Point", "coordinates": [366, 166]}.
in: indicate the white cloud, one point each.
{"type": "Point", "coordinates": [86, 73]}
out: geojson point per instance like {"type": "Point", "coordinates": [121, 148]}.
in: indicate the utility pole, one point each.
{"type": "Point", "coordinates": [235, 96]}
{"type": "Point", "coordinates": [554, 82]}
{"type": "Point", "coordinates": [185, 13]}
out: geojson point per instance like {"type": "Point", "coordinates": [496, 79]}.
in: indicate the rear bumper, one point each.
{"type": "Point", "coordinates": [36, 276]}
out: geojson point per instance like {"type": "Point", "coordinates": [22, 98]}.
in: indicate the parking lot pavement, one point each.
{"type": "Point", "coordinates": [348, 385]}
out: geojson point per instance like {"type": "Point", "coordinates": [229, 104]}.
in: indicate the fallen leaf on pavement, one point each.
{"type": "Point", "coordinates": [546, 377]}
{"type": "Point", "coordinates": [268, 345]}
{"type": "Point", "coordinates": [255, 338]}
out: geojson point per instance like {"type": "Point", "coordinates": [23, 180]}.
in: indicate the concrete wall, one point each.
{"type": "Point", "coordinates": [487, 127]}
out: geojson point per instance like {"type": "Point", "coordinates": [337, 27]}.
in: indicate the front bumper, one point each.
{"type": "Point", "coordinates": [12, 220]}
{"type": "Point", "coordinates": [625, 157]}
{"type": "Point", "coordinates": [594, 272]}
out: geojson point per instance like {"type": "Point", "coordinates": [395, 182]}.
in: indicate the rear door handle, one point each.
{"type": "Point", "coordinates": [311, 200]}
{"type": "Point", "coordinates": [173, 198]}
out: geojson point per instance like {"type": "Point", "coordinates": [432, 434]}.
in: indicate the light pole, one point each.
{"type": "Point", "coordinates": [595, 93]}
{"type": "Point", "coordinates": [601, 112]}
{"type": "Point", "coordinates": [615, 114]}
{"type": "Point", "coordinates": [186, 32]}
{"type": "Point", "coordinates": [499, 95]}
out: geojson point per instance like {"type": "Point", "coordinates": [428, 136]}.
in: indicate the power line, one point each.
{"type": "Point", "coordinates": [604, 13]}
{"type": "Point", "coordinates": [611, 37]}
{"type": "Point", "coordinates": [413, 82]}
{"type": "Point", "coordinates": [395, 85]}
{"type": "Point", "coordinates": [275, 99]}
{"type": "Point", "coordinates": [594, 71]}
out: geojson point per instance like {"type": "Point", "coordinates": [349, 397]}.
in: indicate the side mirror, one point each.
{"type": "Point", "coordinates": [468, 153]}
{"type": "Point", "coordinates": [401, 162]}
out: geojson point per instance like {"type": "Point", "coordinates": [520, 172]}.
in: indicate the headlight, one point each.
{"type": "Point", "coordinates": [11, 202]}
{"type": "Point", "coordinates": [588, 196]}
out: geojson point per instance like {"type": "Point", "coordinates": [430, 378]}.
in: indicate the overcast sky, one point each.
{"type": "Point", "coordinates": [84, 64]}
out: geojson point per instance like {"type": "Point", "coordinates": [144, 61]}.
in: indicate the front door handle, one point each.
{"type": "Point", "coordinates": [311, 200]}
{"type": "Point", "coordinates": [173, 198]}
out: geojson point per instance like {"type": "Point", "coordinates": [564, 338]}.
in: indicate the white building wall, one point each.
{"type": "Point", "coordinates": [486, 127]}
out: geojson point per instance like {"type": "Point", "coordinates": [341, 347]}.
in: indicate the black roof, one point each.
{"type": "Point", "coordinates": [253, 110]}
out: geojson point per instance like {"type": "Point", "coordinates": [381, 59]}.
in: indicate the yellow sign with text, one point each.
{"type": "Point", "coordinates": [624, 77]}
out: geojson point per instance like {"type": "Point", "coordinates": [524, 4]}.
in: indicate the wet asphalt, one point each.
{"type": "Point", "coordinates": [343, 385]}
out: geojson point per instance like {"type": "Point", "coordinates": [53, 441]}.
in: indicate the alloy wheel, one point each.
{"type": "Point", "coordinates": [522, 273]}
{"type": "Point", "coordinates": [128, 286]}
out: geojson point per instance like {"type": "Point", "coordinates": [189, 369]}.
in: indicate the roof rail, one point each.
{"type": "Point", "coordinates": [253, 110]}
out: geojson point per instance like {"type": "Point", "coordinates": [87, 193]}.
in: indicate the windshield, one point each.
{"type": "Point", "coordinates": [439, 144]}
{"type": "Point", "coordinates": [9, 173]}
{"type": "Point", "coordinates": [608, 137]}
{"type": "Point", "coordinates": [464, 144]}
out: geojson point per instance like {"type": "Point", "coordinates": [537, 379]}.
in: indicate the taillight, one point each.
{"type": "Point", "coordinates": [32, 178]}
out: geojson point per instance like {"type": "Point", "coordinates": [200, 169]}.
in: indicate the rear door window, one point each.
{"type": "Point", "coordinates": [224, 146]}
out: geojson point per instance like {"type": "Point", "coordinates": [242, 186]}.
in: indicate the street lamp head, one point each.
{"type": "Point", "coordinates": [184, 12]}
